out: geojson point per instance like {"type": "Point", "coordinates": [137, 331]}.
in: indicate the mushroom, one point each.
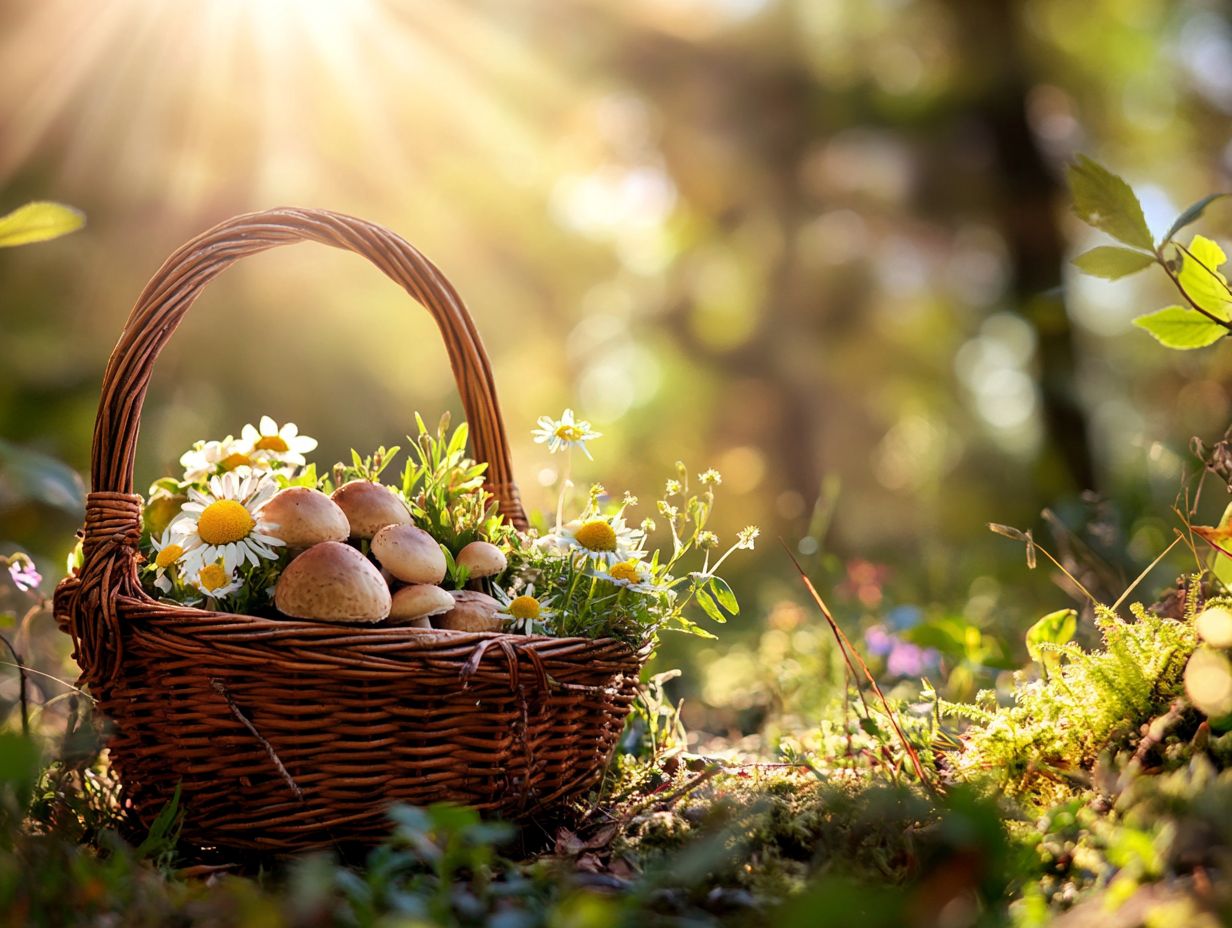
{"type": "Point", "coordinates": [303, 517]}
{"type": "Point", "coordinates": [472, 612]}
{"type": "Point", "coordinates": [482, 559]}
{"type": "Point", "coordinates": [369, 507]}
{"type": "Point", "coordinates": [414, 605]}
{"type": "Point", "coordinates": [1214, 626]}
{"type": "Point", "coordinates": [332, 582]}
{"type": "Point", "coordinates": [409, 553]}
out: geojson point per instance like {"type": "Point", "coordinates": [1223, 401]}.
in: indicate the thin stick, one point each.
{"type": "Point", "coordinates": [843, 641]}
{"type": "Point", "coordinates": [221, 689]}
{"type": "Point", "coordinates": [1149, 568]}
{"type": "Point", "coordinates": [21, 674]}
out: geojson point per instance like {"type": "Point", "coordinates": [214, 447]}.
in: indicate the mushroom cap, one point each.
{"type": "Point", "coordinates": [332, 582]}
{"type": "Point", "coordinates": [369, 507]}
{"type": "Point", "coordinates": [303, 517]}
{"type": "Point", "coordinates": [1214, 625]}
{"type": "Point", "coordinates": [472, 612]}
{"type": "Point", "coordinates": [414, 605]}
{"type": "Point", "coordinates": [482, 559]}
{"type": "Point", "coordinates": [409, 553]}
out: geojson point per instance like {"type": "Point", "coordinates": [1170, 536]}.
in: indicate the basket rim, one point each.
{"type": "Point", "coordinates": [326, 630]}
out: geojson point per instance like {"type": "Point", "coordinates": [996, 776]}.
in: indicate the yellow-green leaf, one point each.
{"type": "Point", "coordinates": [1201, 280]}
{"type": "Point", "coordinates": [1178, 327]}
{"type": "Point", "coordinates": [1055, 628]}
{"type": "Point", "coordinates": [1112, 261]}
{"type": "Point", "coordinates": [38, 222]}
{"type": "Point", "coordinates": [1105, 201]}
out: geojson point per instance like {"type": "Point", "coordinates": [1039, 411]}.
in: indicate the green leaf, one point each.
{"type": "Point", "coordinates": [32, 476]}
{"type": "Point", "coordinates": [710, 607]}
{"type": "Point", "coordinates": [1192, 213]}
{"type": "Point", "coordinates": [1055, 628]}
{"type": "Point", "coordinates": [1106, 202]}
{"type": "Point", "coordinates": [723, 593]}
{"type": "Point", "coordinates": [38, 222]}
{"type": "Point", "coordinates": [1113, 262]}
{"type": "Point", "coordinates": [1178, 327]}
{"type": "Point", "coordinates": [1200, 279]}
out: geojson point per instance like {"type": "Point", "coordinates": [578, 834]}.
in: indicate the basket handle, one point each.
{"type": "Point", "coordinates": [178, 283]}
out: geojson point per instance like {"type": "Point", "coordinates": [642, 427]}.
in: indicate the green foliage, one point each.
{"type": "Point", "coordinates": [444, 488]}
{"type": "Point", "coordinates": [1056, 628]}
{"type": "Point", "coordinates": [1105, 201]}
{"type": "Point", "coordinates": [1037, 748]}
{"type": "Point", "coordinates": [1108, 203]}
{"type": "Point", "coordinates": [1113, 262]}
{"type": "Point", "coordinates": [38, 222]}
{"type": "Point", "coordinates": [1178, 327]}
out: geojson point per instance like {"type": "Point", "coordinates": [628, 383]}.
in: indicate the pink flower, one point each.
{"type": "Point", "coordinates": [24, 575]}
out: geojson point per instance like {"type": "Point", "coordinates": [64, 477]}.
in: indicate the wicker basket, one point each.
{"type": "Point", "coordinates": [286, 735]}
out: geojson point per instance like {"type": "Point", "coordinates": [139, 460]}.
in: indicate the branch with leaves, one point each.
{"type": "Point", "coordinates": [1106, 202]}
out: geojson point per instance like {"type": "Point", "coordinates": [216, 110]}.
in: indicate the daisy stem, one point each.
{"type": "Point", "coordinates": [565, 484]}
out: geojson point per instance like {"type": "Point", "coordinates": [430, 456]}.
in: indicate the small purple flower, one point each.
{"type": "Point", "coordinates": [879, 641]}
{"type": "Point", "coordinates": [909, 660]}
{"type": "Point", "coordinates": [24, 575]}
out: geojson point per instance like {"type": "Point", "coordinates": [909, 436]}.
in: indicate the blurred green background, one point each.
{"type": "Point", "coordinates": [821, 245]}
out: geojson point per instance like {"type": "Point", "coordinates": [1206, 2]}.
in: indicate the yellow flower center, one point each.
{"type": "Point", "coordinates": [232, 461]}
{"type": "Point", "coordinates": [223, 522]}
{"type": "Point", "coordinates": [524, 607]}
{"type": "Point", "coordinates": [168, 556]}
{"type": "Point", "coordinates": [597, 536]}
{"type": "Point", "coordinates": [212, 577]}
{"type": "Point", "coordinates": [272, 443]}
{"type": "Point", "coordinates": [569, 433]}
{"type": "Point", "coordinates": [625, 570]}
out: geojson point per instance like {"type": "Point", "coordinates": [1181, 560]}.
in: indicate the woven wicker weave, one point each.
{"type": "Point", "coordinates": [288, 735]}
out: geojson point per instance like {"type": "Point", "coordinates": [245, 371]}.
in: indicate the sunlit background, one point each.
{"type": "Point", "coordinates": [820, 245]}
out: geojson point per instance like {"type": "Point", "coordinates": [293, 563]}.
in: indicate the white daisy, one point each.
{"type": "Point", "coordinates": [215, 581]}
{"type": "Point", "coordinates": [167, 558]}
{"type": "Point", "coordinates": [565, 432]}
{"type": "Point", "coordinates": [631, 575]}
{"type": "Point", "coordinates": [277, 445]}
{"type": "Point", "coordinates": [527, 612]}
{"type": "Point", "coordinates": [605, 540]}
{"type": "Point", "coordinates": [223, 524]}
{"type": "Point", "coordinates": [207, 458]}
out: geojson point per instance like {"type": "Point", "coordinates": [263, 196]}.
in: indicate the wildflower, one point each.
{"type": "Point", "coordinates": [648, 525]}
{"type": "Point", "coordinates": [746, 536]}
{"type": "Point", "coordinates": [23, 572]}
{"type": "Point", "coordinates": [207, 458]}
{"type": "Point", "coordinates": [710, 477]}
{"type": "Point", "coordinates": [527, 611]}
{"type": "Point", "coordinates": [216, 581]}
{"type": "Point", "coordinates": [673, 488]}
{"type": "Point", "coordinates": [284, 446]}
{"type": "Point", "coordinates": [903, 659]}
{"type": "Point", "coordinates": [168, 554]}
{"type": "Point", "coordinates": [565, 432]}
{"type": "Point", "coordinates": [224, 524]}
{"type": "Point", "coordinates": [631, 575]}
{"type": "Point", "coordinates": [604, 539]}
{"type": "Point", "coordinates": [707, 540]}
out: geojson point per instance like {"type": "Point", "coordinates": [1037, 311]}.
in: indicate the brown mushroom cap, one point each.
{"type": "Point", "coordinates": [303, 517]}
{"type": "Point", "coordinates": [409, 553]}
{"type": "Point", "coordinates": [482, 559]}
{"type": "Point", "coordinates": [332, 582]}
{"type": "Point", "coordinates": [414, 605]}
{"type": "Point", "coordinates": [472, 612]}
{"type": "Point", "coordinates": [369, 507]}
